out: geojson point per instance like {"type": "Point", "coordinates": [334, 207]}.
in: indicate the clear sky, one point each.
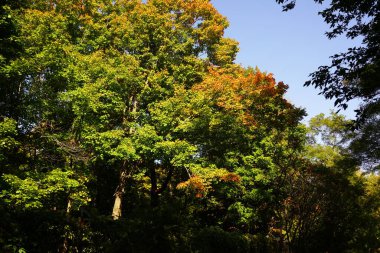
{"type": "Point", "coordinates": [291, 45]}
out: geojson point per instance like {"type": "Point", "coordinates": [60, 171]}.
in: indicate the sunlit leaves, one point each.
{"type": "Point", "coordinates": [8, 132]}
{"type": "Point", "coordinates": [40, 190]}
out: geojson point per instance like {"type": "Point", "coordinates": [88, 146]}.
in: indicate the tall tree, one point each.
{"type": "Point", "coordinates": [147, 50]}
{"type": "Point", "coordinates": [127, 122]}
{"type": "Point", "coordinates": [247, 138]}
{"type": "Point", "coordinates": [325, 206]}
{"type": "Point", "coordinates": [91, 69]}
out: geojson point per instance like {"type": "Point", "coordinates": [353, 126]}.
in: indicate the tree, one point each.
{"type": "Point", "coordinates": [365, 146]}
{"type": "Point", "coordinates": [247, 138]}
{"type": "Point", "coordinates": [149, 49]}
{"type": "Point", "coordinates": [355, 73]}
{"type": "Point", "coordinates": [129, 128]}
{"type": "Point", "coordinates": [325, 208]}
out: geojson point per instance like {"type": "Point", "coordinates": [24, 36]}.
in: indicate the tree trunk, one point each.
{"type": "Point", "coordinates": [119, 193]}
{"type": "Point", "coordinates": [116, 211]}
{"type": "Point", "coordinates": [65, 245]}
{"type": "Point", "coordinates": [154, 201]}
{"type": "Point", "coordinates": [155, 191]}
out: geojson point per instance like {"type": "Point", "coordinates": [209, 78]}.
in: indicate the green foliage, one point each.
{"type": "Point", "coordinates": [365, 144]}
{"type": "Point", "coordinates": [39, 190]}
{"type": "Point", "coordinates": [137, 107]}
{"type": "Point", "coordinates": [8, 143]}
{"type": "Point", "coordinates": [325, 196]}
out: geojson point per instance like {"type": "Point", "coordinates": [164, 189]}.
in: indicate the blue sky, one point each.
{"type": "Point", "coordinates": [291, 45]}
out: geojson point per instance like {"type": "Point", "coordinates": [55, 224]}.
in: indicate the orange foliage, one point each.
{"type": "Point", "coordinates": [200, 186]}
{"type": "Point", "coordinates": [230, 177]}
{"type": "Point", "coordinates": [194, 184]}
{"type": "Point", "coordinates": [238, 90]}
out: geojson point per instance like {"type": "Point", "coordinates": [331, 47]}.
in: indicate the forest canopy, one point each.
{"type": "Point", "coordinates": [126, 126]}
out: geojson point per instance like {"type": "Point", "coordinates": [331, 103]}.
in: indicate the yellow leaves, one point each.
{"type": "Point", "coordinates": [224, 52]}
{"type": "Point", "coordinates": [42, 27]}
{"type": "Point", "coordinates": [277, 232]}
{"type": "Point", "coordinates": [199, 16]}
{"type": "Point", "coordinates": [206, 181]}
